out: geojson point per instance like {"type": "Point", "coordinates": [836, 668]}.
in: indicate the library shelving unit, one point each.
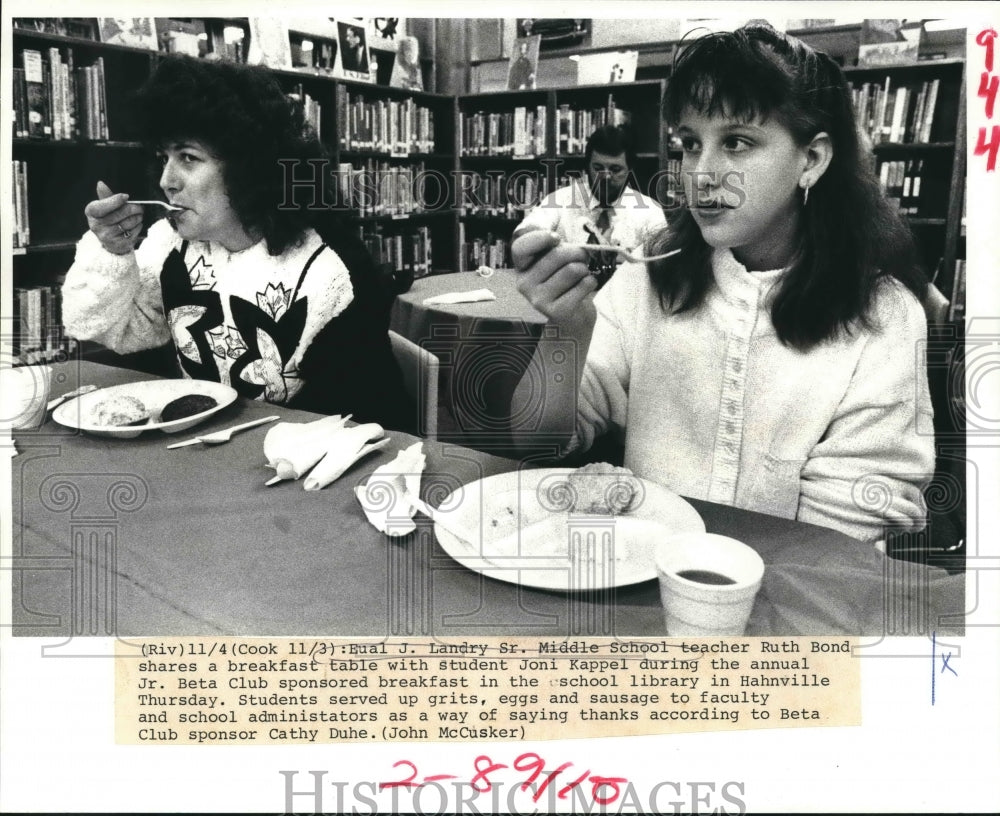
{"type": "Point", "coordinates": [914, 118]}
{"type": "Point", "coordinates": [54, 140]}
{"type": "Point", "coordinates": [514, 147]}
{"type": "Point", "coordinates": [73, 129]}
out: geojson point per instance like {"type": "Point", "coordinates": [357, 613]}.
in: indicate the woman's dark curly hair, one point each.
{"type": "Point", "coordinates": [851, 238]}
{"type": "Point", "coordinates": [242, 116]}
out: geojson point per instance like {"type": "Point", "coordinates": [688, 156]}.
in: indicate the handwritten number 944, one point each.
{"type": "Point", "coordinates": [603, 789]}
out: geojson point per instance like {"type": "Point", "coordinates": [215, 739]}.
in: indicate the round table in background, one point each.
{"type": "Point", "coordinates": [484, 349]}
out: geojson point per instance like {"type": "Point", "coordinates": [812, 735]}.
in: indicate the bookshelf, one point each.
{"type": "Point", "coordinates": [74, 129]}
{"type": "Point", "coordinates": [914, 117]}
{"type": "Point", "coordinates": [515, 147]}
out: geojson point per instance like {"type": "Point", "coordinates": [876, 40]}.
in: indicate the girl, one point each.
{"type": "Point", "coordinates": [246, 286]}
{"type": "Point", "coordinates": [776, 362]}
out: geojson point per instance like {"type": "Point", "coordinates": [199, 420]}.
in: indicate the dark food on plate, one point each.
{"type": "Point", "coordinates": [121, 411]}
{"type": "Point", "coordinates": [188, 405]}
{"type": "Point", "coordinates": [603, 489]}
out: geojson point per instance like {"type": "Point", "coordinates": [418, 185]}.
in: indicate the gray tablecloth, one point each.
{"type": "Point", "coordinates": [126, 537]}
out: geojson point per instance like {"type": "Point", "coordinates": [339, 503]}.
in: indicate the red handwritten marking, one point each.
{"type": "Point", "coordinates": [614, 782]}
{"type": "Point", "coordinates": [405, 783]}
{"type": "Point", "coordinates": [988, 90]}
{"type": "Point", "coordinates": [990, 147]}
{"type": "Point", "coordinates": [985, 38]}
{"type": "Point", "coordinates": [530, 762]}
{"type": "Point", "coordinates": [564, 792]}
{"type": "Point", "coordinates": [535, 764]}
{"type": "Point", "coordinates": [483, 773]}
{"type": "Point", "coordinates": [550, 779]}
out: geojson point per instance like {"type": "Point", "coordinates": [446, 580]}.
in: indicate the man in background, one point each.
{"type": "Point", "coordinates": [604, 207]}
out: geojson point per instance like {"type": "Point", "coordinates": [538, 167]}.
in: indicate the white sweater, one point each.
{"type": "Point", "coordinates": [715, 407]}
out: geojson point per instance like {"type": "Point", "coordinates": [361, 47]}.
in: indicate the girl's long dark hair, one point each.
{"type": "Point", "coordinates": [240, 113]}
{"type": "Point", "coordinates": [851, 238]}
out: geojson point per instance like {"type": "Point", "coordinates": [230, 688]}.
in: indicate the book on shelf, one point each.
{"type": "Point", "coordinates": [56, 99]}
{"type": "Point", "coordinates": [402, 252]}
{"type": "Point", "coordinates": [520, 132]}
{"type": "Point", "coordinates": [378, 188]}
{"type": "Point", "coordinates": [22, 227]}
{"type": "Point", "coordinates": [503, 196]}
{"type": "Point", "coordinates": [900, 181]}
{"type": "Point", "coordinates": [574, 125]}
{"type": "Point", "coordinates": [36, 94]}
{"type": "Point", "coordinates": [903, 114]}
{"type": "Point", "coordinates": [487, 251]}
{"type": "Point", "coordinates": [38, 317]}
{"type": "Point", "coordinates": [398, 127]}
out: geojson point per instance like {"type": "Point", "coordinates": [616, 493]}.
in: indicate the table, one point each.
{"type": "Point", "coordinates": [484, 349]}
{"type": "Point", "coordinates": [125, 537]}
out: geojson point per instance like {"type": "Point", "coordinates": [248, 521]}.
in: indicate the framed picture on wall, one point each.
{"type": "Point", "coordinates": [354, 59]}
{"type": "Point", "coordinates": [136, 31]}
{"type": "Point", "coordinates": [523, 69]}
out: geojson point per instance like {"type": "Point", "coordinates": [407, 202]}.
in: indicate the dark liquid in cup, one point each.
{"type": "Point", "coordinates": [706, 577]}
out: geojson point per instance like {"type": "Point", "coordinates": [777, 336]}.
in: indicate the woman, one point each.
{"type": "Point", "coordinates": [255, 291]}
{"type": "Point", "coordinates": [775, 363]}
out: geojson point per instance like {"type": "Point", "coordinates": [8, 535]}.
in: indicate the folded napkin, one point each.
{"type": "Point", "coordinates": [292, 448]}
{"type": "Point", "coordinates": [347, 446]}
{"type": "Point", "coordinates": [324, 449]}
{"type": "Point", "coordinates": [381, 497]}
{"type": "Point", "coordinates": [461, 297]}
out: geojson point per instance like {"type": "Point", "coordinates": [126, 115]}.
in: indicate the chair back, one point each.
{"type": "Point", "coordinates": [421, 371]}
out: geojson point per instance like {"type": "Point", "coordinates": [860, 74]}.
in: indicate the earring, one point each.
{"type": "Point", "coordinates": [805, 195]}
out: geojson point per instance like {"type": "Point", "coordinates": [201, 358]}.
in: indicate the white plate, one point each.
{"type": "Point", "coordinates": [522, 532]}
{"type": "Point", "coordinates": [154, 394]}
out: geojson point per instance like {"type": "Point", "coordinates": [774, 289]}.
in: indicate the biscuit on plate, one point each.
{"type": "Point", "coordinates": [120, 411]}
{"type": "Point", "coordinates": [603, 489]}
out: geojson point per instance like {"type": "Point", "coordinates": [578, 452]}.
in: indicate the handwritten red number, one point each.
{"type": "Point", "coordinates": [529, 762]}
{"type": "Point", "coordinates": [483, 773]}
{"type": "Point", "coordinates": [990, 147]}
{"type": "Point", "coordinates": [988, 91]}
{"type": "Point", "coordinates": [612, 782]}
{"type": "Point", "coordinates": [564, 791]}
{"type": "Point", "coordinates": [405, 783]}
{"type": "Point", "coordinates": [985, 38]}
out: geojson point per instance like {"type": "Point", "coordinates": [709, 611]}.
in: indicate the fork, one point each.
{"type": "Point", "coordinates": [220, 437]}
{"type": "Point", "coordinates": [167, 207]}
{"type": "Point", "coordinates": [624, 253]}
{"type": "Point", "coordinates": [79, 392]}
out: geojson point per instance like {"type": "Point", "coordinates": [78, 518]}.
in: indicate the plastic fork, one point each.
{"type": "Point", "coordinates": [624, 253]}
{"type": "Point", "coordinates": [79, 392]}
{"type": "Point", "coordinates": [221, 437]}
{"type": "Point", "coordinates": [167, 207]}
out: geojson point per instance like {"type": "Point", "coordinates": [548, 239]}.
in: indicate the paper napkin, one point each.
{"type": "Point", "coordinates": [474, 296]}
{"type": "Point", "coordinates": [382, 498]}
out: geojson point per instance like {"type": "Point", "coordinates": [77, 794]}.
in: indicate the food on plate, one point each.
{"type": "Point", "coordinates": [603, 489]}
{"type": "Point", "coordinates": [188, 405]}
{"type": "Point", "coordinates": [121, 411]}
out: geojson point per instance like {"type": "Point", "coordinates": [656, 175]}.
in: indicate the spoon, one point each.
{"type": "Point", "coordinates": [220, 437]}
{"type": "Point", "coordinates": [167, 207]}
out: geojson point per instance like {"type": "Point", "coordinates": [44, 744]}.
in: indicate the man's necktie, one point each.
{"type": "Point", "coordinates": [603, 264]}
